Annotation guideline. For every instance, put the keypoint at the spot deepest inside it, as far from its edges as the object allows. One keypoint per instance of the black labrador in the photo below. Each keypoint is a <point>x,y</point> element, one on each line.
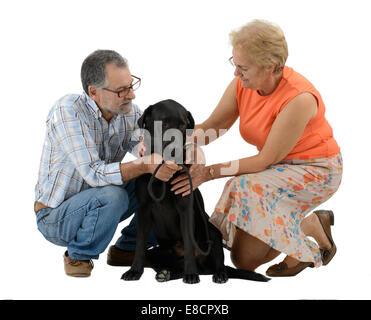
<point>189,244</point>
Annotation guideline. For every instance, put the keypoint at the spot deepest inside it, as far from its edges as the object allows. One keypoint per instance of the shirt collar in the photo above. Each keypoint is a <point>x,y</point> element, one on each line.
<point>92,106</point>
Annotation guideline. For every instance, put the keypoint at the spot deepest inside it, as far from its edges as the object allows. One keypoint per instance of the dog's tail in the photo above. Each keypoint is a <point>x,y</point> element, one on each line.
<point>245,274</point>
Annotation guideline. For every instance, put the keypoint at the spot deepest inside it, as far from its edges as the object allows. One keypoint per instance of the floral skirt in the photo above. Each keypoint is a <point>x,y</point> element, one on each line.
<point>271,204</point>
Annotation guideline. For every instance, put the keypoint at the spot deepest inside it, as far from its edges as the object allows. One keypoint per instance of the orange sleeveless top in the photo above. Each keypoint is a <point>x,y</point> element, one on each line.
<point>257,114</point>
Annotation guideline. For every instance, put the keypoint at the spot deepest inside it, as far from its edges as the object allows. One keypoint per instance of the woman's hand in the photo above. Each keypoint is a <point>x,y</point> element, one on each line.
<point>198,172</point>
<point>181,184</point>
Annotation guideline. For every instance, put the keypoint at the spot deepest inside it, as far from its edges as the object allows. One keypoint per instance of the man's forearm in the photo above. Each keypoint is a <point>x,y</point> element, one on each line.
<point>132,169</point>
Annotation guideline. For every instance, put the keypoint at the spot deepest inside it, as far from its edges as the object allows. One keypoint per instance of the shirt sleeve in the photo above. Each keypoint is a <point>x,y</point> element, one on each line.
<point>73,137</point>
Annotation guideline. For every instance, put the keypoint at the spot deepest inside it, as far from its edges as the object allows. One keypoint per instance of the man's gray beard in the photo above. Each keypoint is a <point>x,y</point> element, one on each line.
<point>119,111</point>
<point>127,108</point>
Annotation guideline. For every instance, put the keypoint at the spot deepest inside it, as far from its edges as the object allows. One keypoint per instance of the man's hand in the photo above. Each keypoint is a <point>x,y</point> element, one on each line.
<point>141,147</point>
<point>167,170</point>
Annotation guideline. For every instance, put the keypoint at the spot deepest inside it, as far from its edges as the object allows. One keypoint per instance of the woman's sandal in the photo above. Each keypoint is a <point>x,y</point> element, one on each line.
<point>326,218</point>
<point>282,270</point>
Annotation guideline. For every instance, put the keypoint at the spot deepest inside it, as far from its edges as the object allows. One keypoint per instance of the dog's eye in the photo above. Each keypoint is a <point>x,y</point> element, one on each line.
<point>165,125</point>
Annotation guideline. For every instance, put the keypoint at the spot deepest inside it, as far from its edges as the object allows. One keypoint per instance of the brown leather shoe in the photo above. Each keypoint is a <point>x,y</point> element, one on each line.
<point>121,258</point>
<point>77,268</point>
<point>281,269</point>
<point>326,218</point>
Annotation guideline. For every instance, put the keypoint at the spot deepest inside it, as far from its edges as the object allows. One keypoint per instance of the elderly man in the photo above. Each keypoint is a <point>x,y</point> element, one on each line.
<point>83,189</point>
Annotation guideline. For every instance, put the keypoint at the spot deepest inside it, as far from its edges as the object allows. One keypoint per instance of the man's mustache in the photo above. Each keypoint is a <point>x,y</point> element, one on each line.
<point>125,102</point>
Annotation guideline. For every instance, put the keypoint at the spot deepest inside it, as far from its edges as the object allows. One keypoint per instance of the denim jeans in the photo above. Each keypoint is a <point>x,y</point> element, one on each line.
<point>86,222</point>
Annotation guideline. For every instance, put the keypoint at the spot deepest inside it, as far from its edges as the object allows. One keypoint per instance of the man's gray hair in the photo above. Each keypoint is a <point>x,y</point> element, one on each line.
<point>93,69</point>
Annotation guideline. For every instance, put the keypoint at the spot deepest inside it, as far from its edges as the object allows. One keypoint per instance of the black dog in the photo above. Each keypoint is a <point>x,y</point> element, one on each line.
<point>188,244</point>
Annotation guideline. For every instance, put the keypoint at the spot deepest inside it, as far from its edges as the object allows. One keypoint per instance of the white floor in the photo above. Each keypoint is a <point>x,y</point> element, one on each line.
<point>36,272</point>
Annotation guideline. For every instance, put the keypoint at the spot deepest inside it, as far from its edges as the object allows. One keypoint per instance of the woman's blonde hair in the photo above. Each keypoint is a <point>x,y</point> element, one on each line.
<point>263,41</point>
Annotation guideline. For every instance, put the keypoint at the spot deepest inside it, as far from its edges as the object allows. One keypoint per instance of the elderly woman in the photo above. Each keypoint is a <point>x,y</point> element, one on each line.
<point>263,209</point>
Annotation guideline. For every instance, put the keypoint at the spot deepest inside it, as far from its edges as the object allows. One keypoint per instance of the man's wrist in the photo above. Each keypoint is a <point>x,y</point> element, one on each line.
<point>133,169</point>
<point>142,165</point>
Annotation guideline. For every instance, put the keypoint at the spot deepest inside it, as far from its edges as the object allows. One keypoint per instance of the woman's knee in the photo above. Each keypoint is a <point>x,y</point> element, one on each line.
<point>237,259</point>
<point>243,260</point>
<point>247,251</point>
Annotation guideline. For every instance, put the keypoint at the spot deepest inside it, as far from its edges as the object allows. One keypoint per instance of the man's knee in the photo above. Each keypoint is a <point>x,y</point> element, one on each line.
<point>114,196</point>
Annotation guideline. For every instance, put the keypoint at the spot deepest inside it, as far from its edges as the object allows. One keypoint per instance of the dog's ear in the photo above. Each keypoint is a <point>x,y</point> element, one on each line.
<point>142,119</point>
<point>191,123</point>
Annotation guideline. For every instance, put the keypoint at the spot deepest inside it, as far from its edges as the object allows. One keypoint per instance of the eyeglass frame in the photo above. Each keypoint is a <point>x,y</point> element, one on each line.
<point>242,70</point>
<point>127,89</point>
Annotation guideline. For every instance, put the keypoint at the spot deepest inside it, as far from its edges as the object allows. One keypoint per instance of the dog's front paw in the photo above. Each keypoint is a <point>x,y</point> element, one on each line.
<point>191,278</point>
<point>163,276</point>
<point>132,275</point>
<point>220,277</point>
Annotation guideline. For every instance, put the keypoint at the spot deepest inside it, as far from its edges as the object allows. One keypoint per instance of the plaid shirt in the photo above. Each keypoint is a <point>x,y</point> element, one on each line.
<point>81,150</point>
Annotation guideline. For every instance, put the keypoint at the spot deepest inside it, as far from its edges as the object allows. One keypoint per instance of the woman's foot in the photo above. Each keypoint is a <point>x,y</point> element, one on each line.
<point>288,267</point>
<point>318,225</point>
<point>311,226</point>
<point>291,262</point>
<point>326,219</point>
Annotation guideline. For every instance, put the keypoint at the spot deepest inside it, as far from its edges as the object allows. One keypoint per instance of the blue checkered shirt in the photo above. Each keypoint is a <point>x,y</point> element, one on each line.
<point>81,150</point>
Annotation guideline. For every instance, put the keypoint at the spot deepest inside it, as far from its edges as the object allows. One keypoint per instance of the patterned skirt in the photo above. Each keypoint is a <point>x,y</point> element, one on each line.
<point>271,204</point>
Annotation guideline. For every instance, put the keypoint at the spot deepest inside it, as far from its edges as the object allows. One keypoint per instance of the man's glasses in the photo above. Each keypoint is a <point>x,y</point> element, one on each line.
<point>135,84</point>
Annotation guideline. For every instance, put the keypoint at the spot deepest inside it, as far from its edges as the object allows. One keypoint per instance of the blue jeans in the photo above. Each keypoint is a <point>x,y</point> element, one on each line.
<point>87,222</point>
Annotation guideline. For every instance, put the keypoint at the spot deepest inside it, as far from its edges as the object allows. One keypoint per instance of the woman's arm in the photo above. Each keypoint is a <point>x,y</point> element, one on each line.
<point>220,120</point>
<point>285,133</point>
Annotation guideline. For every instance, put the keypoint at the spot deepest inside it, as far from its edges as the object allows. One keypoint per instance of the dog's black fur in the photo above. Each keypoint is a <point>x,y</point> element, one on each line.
<point>176,256</point>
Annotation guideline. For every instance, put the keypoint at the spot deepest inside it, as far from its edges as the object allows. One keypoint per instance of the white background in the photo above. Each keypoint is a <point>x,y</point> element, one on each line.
<point>180,50</point>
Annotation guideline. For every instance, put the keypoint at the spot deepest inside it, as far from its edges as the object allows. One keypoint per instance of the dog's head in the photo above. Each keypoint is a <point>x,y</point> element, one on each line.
<point>166,124</point>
